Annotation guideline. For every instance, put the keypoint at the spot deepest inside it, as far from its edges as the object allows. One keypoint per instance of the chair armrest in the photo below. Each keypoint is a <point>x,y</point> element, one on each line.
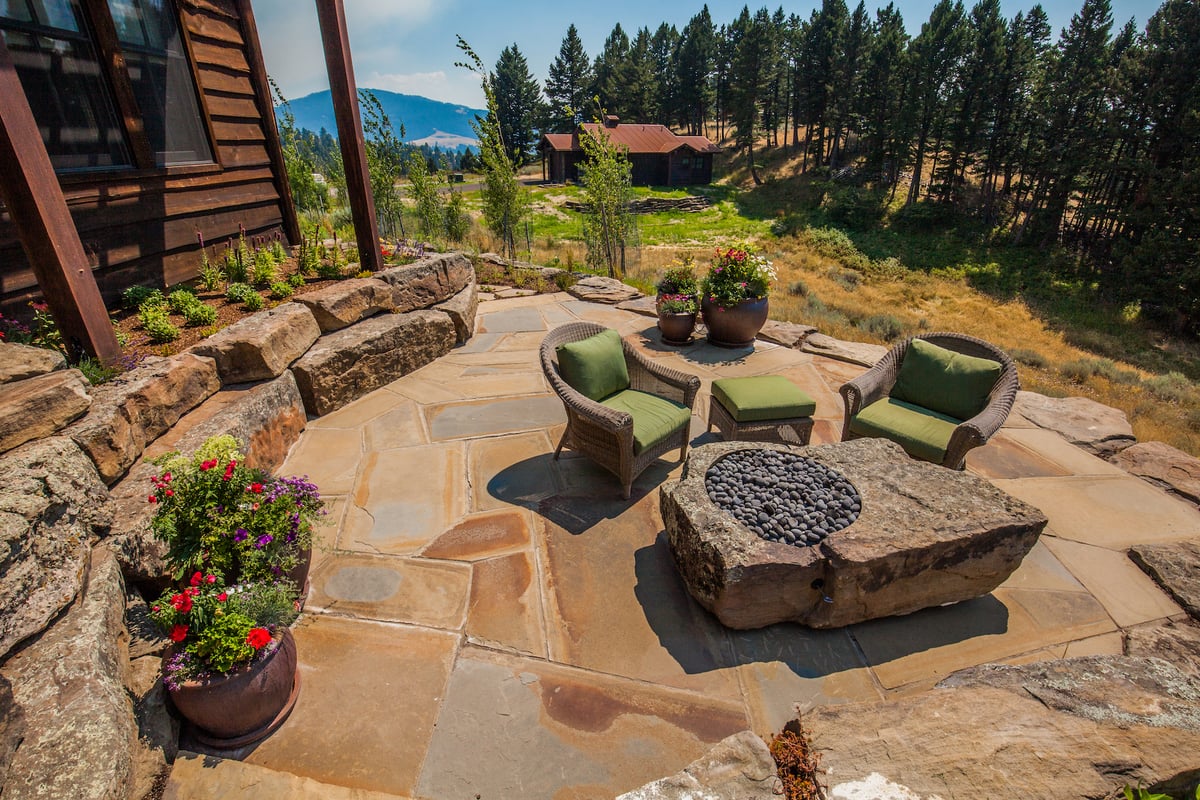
<point>583,406</point>
<point>873,385</point>
<point>978,429</point>
<point>647,375</point>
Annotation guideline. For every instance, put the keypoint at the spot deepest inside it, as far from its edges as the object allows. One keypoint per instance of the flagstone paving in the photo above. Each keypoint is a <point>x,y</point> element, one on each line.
<point>488,622</point>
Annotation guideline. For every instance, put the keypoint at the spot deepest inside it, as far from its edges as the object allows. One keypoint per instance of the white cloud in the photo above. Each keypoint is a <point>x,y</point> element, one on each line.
<point>372,13</point>
<point>437,85</point>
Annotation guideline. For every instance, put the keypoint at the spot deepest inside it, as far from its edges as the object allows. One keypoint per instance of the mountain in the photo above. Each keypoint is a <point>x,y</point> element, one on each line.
<point>425,121</point>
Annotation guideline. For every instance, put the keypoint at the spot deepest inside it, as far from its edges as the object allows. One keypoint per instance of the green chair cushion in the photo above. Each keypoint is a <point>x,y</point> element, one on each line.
<point>922,433</point>
<point>595,366</point>
<point>764,397</point>
<point>654,418</point>
<point>944,381</point>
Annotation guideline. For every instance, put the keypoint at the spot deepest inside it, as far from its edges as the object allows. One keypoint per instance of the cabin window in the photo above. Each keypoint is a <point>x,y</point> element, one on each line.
<point>685,162</point>
<point>55,57</point>
<point>56,54</point>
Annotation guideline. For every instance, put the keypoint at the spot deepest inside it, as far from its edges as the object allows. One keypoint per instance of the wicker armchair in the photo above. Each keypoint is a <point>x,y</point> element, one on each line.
<point>877,382</point>
<point>604,434</point>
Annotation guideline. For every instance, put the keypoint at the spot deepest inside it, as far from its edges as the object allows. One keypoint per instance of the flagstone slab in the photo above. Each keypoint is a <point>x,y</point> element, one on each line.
<point>1163,465</point>
<point>1005,457</point>
<point>604,315</point>
<point>1127,593</point>
<point>204,777</point>
<point>1040,569</point>
<point>359,412</point>
<point>482,536</point>
<point>330,458</point>
<point>1108,644</point>
<point>391,589</point>
<point>521,727</point>
<point>406,498</point>
<point>479,343</point>
<point>1052,446</point>
<point>1113,512</point>
<point>836,372</point>
<point>829,402</point>
<point>401,426</point>
<point>506,605</point>
<point>1176,568</point>
<point>422,390</point>
<point>482,417</point>
<point>928,645</point>
<point>615,603</point>
<point>521,342</point>
<point>512,320</point>
<point>1093,426</point>
<point>511,470</point>
<point>367,706</point>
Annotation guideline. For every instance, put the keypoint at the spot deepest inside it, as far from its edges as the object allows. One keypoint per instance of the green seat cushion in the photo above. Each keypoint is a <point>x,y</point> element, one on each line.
<point>944,381</point>
<point>654,418</point>
<point>922,433</point>
<point>764,397</point>
<point>595,366</point>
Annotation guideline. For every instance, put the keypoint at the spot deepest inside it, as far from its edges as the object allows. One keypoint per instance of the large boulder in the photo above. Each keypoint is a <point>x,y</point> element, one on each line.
<point>136,408</point>
<point>925,536</point>
<point>739,767</point>
<point>40,406</point>
<point>1175,566</point>
<point>267,418</point>
<point>12,728</point>
<point>1164,466</point>
<point>21,361</point>
<point>71,680</point>
<point>53,505</point>
<point>1099,429</point>
<point>429,281</point>
<point>461,309</point>
<point>1093,724</point>
<point>262,345</point>
<point>860,353</point>
<point>599,289</point>
<point>347,302</point>
<point>788,334</point>
<point>345,365</point>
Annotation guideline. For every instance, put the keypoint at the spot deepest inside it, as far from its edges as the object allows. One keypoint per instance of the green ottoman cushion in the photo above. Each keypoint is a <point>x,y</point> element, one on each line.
<point>654,418</point>
<point>922,433</point>
<point>595,366</point>
<point>762,398</point>
<point>944,381</point>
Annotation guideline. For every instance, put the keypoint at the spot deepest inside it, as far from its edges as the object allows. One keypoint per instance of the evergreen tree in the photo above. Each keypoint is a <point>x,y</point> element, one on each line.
<point>881,95</point>
<point>694,73</point>
<point>638,80</point>
<point>610,71</point>
<point>518,104</point>
<point>663,48</point>
<point>568,84</point>
<point>748,75</point>
<point>935,55</point>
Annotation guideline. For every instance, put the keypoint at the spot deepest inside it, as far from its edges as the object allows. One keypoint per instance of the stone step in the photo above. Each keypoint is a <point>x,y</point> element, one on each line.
<point>197,777</point>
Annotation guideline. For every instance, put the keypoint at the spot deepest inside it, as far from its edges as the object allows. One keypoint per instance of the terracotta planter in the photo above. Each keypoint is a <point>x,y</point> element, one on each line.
<point>298,575</point>
<point>735,326</point>
<point>676,328</point>
<point>246,705</point>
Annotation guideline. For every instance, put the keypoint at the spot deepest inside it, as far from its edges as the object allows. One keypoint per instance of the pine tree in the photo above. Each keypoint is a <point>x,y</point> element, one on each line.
<point>518,103</point>
<point>882,95</point>
<point>638,79</point>
<point>610,71</point>
<point>748,73</point>
<point>568,84</point>
<point>663,47</point>
<point>934,54</point>
<point>694,72</point>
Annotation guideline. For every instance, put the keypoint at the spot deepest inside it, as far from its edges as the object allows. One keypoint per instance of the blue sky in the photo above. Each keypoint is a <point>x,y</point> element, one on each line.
<point>408,46</point>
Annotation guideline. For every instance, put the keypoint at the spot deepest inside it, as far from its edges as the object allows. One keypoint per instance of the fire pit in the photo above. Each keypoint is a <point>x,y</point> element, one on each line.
<point>923,535</point>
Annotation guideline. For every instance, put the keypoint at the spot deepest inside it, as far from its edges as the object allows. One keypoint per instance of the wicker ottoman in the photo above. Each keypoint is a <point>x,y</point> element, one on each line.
<point>762,408</point>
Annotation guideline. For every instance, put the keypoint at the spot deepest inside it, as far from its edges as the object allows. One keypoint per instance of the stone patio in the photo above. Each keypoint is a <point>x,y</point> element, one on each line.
<point>488,622</point>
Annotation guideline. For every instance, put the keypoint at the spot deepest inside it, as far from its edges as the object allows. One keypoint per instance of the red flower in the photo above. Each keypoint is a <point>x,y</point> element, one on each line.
<point>255,487</point>
<point>196,578</point>
<point>182,603</point>
<point>169,493</point>
<point>229,470</point>
<point>222,597</point>
<point>152,499</point>
<point>258,637</point>
<point>193,591</point>
<point>207,465</point>
<point>179,633</point>
<point>210,578</point>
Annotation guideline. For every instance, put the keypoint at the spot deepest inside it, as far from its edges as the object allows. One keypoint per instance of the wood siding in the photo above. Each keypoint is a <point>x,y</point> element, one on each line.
<point>141,226</point>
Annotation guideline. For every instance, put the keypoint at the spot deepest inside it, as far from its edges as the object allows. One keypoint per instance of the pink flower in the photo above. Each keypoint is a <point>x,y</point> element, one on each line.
<point>222,597</point>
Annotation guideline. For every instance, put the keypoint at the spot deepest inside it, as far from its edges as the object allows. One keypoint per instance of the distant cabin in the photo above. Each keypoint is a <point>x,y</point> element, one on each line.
<point>659,157</point>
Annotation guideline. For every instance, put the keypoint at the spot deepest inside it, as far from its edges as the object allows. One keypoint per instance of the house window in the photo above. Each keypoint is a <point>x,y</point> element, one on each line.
<point>57,55</point>
<point>685,162</point>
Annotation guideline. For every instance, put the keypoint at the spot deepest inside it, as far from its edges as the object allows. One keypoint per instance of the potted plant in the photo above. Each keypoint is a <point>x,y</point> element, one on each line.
<point>231,669</point>
<point>221,517</point>
<point>734,293</point>
<point>677,304</point>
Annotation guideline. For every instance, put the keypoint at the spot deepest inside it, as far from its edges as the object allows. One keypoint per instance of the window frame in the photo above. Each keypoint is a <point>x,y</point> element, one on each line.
<point>111,56</point>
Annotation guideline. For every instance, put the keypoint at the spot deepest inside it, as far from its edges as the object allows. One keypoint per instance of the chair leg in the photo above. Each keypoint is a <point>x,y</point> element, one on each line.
<point>561,442</point>
<point>626,490</point>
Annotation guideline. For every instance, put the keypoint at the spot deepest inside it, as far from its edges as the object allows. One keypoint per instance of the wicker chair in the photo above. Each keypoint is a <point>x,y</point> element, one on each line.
<point>605,434</point>
<point>877,382</point>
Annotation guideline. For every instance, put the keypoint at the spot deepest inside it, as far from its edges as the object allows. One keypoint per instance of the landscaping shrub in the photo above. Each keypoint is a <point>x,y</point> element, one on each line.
<point>885,326</point>
<point>1174,387</point>
<point>281,290</point>
<point>157,324</point>
<point>199,314</point>
<point>295,280</point>
<point>264,268</point>
<point>238,292</point>
<point>180,300</point>
<point>254,301</point>
<point>136,296</point>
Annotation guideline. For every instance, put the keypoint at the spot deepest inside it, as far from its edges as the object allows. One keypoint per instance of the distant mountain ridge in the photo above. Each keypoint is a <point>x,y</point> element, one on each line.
<point>425,121</point>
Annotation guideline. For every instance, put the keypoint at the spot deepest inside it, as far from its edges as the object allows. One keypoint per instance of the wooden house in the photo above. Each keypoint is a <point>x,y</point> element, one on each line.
<point>658,156</point>
<point>158,121</point>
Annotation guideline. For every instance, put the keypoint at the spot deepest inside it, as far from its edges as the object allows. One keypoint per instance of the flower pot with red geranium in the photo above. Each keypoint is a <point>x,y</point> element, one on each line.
<point>231,669</point>
<point>734,296</point>
<point>676,303</point>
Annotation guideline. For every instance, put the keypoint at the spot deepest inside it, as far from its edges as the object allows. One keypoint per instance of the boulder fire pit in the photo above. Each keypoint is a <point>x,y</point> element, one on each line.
<point>923,536</point>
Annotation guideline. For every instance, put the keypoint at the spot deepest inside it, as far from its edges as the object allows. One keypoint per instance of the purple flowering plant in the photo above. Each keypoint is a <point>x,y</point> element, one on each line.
<point>219,516</point>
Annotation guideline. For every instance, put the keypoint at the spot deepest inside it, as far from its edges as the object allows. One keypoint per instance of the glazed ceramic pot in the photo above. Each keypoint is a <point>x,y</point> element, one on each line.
<point>676,328</point>
<point>737,325</point>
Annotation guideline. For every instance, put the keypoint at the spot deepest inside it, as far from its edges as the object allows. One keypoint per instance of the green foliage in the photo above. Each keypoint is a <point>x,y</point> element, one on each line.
<point>607,178</point>
<point>679,279</point>
<point>199,314</point>
<point>253,301</point>
<point>798,289</point>
<point>677,304</point>
<point>181,299</point>
<point>136,296</point>
<point>518,106</point>
<point>238,292</point>
<point>45,331</point>
<point>385,163</point>
<point>277,251</point>
<point>281,290</point>
<point>885,326</point>
<point>329,269</point>
<point>568,83</point>
<point>264,268</point>
<point>1030,358</point>
<point>506,204</point>
<point>222,644</point>
<point>211,276</point>
<point>295,280</point>
<point>1174,387</point>
<point>565,280</point>
<point>424,189</point>
<point>737,274</point>
<point>834,243</point>
<point>97,372</point>
<point>306,192</point>
<point>457,222</point>
<point>157,324</point>
<point>237,268</point>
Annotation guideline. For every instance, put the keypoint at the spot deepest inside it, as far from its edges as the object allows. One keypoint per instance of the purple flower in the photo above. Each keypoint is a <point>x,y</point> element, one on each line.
<point>241,535</point>
<point>263,541</point>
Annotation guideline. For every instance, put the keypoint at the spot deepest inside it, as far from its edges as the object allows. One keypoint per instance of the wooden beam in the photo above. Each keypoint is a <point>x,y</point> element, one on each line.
<point>35,202</point>
<point>262,94</point>
<point>332,16</point>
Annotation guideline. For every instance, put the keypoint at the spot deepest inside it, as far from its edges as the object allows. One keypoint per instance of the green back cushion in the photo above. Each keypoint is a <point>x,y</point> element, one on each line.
<point>595,366</point>
<point>762,397</point>
<point>944,381</point>
<point>654,418</point>
<point>922,433</point>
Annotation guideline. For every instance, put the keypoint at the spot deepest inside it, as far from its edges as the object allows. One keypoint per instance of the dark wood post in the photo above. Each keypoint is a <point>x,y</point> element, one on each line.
<point>332,16</point>
<point>35,202</point>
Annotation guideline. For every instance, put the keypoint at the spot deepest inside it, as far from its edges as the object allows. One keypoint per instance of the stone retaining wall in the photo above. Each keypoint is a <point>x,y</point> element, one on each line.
<point>75,524</point>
